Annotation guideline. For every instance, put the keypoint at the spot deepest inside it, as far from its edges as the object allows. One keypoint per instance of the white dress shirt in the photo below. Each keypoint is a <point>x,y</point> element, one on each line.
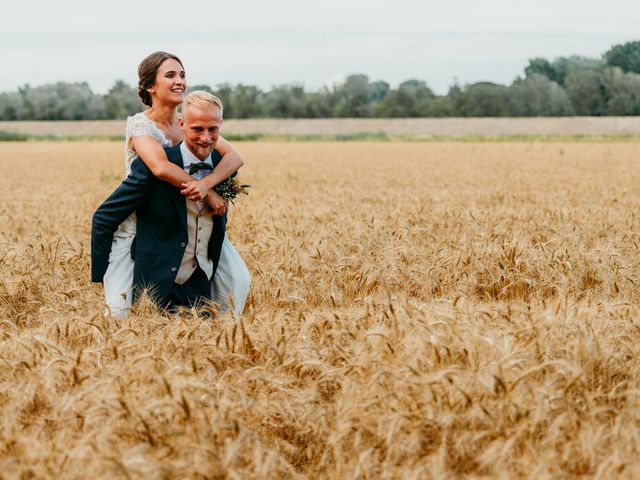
<point>199,226</point>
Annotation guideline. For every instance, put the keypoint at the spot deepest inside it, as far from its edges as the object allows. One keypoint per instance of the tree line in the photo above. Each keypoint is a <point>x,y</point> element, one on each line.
<point>573,85</point>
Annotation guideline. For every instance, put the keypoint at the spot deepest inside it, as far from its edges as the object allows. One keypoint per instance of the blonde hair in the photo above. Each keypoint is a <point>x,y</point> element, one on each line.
<point>201,99</point>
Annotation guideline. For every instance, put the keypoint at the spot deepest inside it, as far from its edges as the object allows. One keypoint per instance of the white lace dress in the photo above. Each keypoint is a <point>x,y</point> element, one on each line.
<point>231,281</point>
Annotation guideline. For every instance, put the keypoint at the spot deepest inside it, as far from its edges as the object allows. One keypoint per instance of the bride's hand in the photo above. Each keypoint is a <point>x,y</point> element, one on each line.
<point>195,190</point>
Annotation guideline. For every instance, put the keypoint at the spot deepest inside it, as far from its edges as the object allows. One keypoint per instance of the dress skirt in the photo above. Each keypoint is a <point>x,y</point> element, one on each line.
<point>230,284</point>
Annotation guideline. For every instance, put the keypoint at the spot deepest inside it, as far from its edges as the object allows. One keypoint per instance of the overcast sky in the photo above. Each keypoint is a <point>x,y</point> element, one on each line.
<point>312,43</point>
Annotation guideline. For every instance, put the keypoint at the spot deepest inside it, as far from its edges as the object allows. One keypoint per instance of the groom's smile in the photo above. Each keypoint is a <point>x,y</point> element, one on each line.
<point>201,129</point>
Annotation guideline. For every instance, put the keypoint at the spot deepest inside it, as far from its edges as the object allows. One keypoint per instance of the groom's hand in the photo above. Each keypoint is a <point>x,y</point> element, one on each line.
<point>217,203</point>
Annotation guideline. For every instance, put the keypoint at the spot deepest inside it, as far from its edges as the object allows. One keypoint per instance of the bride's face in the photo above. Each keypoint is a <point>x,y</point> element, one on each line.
<point>171,83</point>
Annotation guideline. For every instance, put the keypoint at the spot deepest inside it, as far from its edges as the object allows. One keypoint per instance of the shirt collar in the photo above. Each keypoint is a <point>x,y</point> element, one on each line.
<point>188,158</point>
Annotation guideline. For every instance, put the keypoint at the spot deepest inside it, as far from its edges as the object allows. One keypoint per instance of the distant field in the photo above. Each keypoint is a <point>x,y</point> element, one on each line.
<point>565,126</point>
<point>418,311</point>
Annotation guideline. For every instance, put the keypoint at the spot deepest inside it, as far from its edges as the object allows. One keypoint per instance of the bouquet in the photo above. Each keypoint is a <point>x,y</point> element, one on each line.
<point>230,188</point>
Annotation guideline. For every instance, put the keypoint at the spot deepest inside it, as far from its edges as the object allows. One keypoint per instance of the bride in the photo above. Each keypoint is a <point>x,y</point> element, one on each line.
<point>162,87</point>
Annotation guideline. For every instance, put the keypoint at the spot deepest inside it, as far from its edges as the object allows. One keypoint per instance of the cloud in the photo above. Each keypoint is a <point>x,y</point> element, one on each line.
<point>277,42</point>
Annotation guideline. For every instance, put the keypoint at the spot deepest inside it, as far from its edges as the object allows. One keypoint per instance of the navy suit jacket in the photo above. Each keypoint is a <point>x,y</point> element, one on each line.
<point>161,235</point>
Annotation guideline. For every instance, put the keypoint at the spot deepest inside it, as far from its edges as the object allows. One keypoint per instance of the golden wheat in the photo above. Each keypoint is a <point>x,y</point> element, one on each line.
<point>417,311</point>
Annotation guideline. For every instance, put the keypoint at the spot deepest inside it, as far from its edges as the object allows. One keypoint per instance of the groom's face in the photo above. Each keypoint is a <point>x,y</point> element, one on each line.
<point>201,128</point>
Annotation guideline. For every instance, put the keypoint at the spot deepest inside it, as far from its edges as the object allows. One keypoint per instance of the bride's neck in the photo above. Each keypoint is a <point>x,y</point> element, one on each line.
<point>163,114</point>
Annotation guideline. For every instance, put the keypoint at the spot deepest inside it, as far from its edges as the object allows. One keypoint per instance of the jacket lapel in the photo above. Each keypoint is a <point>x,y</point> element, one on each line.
<point>174,156</point>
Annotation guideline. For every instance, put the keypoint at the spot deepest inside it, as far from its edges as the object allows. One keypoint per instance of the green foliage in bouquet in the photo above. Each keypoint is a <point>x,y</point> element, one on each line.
<point>230,188</point>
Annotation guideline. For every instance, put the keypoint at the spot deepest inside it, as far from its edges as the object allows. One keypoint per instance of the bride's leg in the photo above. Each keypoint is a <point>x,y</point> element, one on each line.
<point>118,279</point>
<point>232,279</point>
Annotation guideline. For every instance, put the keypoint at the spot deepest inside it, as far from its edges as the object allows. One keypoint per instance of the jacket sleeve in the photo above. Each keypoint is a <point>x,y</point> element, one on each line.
<point>131,193</point>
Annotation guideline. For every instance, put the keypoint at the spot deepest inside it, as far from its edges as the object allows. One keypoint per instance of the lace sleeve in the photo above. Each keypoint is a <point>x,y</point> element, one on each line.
<point>137,126</point>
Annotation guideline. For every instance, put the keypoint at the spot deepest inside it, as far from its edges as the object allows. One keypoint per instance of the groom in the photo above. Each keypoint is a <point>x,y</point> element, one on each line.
<point>178,243</point>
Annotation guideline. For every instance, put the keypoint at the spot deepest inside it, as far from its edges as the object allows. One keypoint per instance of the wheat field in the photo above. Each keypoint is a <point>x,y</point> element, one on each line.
<point>417,311</point>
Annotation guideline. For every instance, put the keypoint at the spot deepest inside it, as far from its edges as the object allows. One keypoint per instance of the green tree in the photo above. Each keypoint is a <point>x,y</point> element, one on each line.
<point>75,101</point>
<point>377,91</point>
<point>558,70</point>
<point>586,92</point>
<point>621,91</point>
<point>285,101</point>
<point>97,109</point>
<point>410,99</point>
<point>356,97</point>
<point>483,99</point>
<point>12,106</point>
<point>122,101</point>
<point>320,104</point>
<point>541,66</point>
<point>352,97</point>
<point>224,92</point>
<point>240,101</point>
<point>536,96</point>
<point>246,101</point>
<point>626,56</point>
<point>436,107</point>
<point>563,66</point>
<point>60,101</point>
